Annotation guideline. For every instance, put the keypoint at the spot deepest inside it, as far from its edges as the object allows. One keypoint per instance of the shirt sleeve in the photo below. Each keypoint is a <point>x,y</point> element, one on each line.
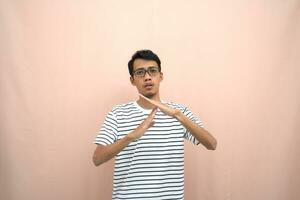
<point>187,134</point>
<point>108,131</point>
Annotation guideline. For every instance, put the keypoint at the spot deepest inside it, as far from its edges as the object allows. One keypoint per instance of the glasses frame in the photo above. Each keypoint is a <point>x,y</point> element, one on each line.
<point>146,71</point>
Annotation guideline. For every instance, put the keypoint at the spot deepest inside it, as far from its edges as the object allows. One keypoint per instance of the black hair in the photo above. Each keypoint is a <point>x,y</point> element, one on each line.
<point>143,54</point>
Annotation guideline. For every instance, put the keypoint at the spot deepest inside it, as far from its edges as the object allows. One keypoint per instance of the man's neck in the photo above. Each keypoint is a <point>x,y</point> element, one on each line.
<point>145,104</point>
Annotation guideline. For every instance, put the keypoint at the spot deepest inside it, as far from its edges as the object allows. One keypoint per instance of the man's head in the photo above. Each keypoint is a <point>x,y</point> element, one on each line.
<point>145,72</point>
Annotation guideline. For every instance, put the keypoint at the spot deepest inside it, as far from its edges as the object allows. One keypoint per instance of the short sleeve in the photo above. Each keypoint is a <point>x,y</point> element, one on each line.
<point>187,134</point>
<point>108,131</point>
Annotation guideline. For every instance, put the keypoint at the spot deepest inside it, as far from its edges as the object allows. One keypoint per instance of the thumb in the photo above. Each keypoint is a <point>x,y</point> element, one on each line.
<point>151,123</point>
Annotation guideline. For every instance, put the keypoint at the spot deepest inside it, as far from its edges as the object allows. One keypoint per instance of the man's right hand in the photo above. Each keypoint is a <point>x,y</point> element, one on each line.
<point>144,126</point>
<point>104,153</point>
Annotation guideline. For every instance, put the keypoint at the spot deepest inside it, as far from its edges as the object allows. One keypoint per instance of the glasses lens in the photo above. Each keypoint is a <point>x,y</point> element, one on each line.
<point>140,72</point>
<point>153,70</point>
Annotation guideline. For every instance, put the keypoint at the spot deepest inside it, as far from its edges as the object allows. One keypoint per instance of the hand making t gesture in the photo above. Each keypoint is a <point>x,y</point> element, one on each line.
<point>163,107</point>
<point>200,133</point>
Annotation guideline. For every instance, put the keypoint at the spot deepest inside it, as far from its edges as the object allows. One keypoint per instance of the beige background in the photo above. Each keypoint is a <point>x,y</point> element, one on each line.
<point>234,63</point>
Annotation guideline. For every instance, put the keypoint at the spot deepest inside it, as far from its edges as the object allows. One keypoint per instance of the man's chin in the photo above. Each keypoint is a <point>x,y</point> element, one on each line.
<point>149,95</point>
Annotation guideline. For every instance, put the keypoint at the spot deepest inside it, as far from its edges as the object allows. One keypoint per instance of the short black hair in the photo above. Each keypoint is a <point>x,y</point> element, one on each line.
<point>143,54</point>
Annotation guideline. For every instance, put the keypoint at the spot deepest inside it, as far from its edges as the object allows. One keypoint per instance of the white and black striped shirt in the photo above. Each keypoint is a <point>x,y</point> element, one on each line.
<point>151,167</point>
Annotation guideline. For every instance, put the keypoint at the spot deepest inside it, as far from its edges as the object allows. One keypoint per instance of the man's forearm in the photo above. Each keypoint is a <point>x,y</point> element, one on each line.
<point>105,153</point>
<point>202,135</point>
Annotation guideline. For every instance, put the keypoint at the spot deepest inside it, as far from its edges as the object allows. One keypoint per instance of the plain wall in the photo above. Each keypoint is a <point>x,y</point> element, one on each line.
<point>235,64</point>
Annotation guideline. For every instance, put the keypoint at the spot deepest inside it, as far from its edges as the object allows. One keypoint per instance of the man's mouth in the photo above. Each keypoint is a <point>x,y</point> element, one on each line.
<point>148,85</point>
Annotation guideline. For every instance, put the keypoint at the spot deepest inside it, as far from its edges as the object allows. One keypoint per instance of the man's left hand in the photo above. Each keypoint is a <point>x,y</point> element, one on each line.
<point>163,107</point>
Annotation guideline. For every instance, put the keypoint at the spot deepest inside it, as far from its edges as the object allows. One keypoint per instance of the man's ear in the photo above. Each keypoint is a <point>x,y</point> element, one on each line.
<point>161,76</point>
<point>132,81</point>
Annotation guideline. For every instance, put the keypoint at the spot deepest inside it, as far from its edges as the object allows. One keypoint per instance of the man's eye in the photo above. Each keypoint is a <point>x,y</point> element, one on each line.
<point>139,72</point>
<point>154,70</point>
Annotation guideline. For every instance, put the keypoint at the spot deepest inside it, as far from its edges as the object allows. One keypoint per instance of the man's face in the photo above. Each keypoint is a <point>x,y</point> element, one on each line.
<point>147,85</point>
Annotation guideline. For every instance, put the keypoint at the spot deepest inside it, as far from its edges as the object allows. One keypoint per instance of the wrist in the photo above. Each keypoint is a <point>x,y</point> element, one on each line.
<point>129,138</point>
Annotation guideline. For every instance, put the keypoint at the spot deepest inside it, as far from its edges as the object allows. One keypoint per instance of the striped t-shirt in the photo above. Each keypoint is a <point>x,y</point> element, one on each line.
<point>151,167</point>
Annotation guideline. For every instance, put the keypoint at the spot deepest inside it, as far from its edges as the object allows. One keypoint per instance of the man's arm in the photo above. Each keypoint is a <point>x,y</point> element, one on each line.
<point>198,132</point>
<point>202,135</point>
<point>104,153</point>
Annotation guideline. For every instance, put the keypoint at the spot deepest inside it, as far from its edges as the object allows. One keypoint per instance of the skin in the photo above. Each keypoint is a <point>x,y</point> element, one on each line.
<point>140,83</point>
<point>149,99</point>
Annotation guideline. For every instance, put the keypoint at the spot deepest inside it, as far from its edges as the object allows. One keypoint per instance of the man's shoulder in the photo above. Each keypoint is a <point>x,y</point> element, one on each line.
<point>123,106</point>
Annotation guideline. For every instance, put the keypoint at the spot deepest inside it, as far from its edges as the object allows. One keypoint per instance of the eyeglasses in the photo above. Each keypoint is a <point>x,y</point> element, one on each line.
<point>152,71</point>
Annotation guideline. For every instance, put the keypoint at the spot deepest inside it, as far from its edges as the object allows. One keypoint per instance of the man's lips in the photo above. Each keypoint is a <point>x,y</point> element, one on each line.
<point>148,85</point>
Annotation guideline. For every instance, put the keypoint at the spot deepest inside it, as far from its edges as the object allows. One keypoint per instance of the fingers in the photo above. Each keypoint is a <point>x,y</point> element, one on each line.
<point>151,117</point>
<point>150,100</point>
<point>152,114</point>
<point>147,99</point>
<point>143,97</point>
<point>164,108</point>
<point>149,121</point>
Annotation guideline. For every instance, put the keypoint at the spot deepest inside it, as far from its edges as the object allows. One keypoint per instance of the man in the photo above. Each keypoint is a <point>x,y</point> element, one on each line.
<point>147,137</point>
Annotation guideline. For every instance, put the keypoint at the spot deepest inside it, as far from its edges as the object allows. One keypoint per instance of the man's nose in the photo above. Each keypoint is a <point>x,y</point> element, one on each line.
<point>147,76</point>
